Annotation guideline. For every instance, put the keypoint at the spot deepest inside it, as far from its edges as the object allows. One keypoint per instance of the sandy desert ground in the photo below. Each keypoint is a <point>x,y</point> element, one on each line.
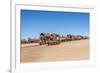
<point>67,51</point>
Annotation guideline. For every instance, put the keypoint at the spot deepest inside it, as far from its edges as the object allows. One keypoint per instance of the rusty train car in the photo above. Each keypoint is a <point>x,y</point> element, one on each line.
<point>54,39</point>
<point>49,39</point>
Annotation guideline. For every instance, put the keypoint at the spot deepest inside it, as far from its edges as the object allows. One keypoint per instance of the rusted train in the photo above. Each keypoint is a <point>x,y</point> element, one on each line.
<point>53,39</point>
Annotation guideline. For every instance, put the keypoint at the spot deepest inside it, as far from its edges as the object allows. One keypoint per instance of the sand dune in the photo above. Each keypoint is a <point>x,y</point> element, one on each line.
<point>67,51</point>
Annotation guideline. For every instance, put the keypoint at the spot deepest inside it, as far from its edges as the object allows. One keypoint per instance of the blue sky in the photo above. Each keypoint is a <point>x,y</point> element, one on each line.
<point>34,22</point>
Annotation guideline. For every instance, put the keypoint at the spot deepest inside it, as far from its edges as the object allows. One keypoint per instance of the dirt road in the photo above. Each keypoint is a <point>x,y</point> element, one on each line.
<point>67,51</point>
